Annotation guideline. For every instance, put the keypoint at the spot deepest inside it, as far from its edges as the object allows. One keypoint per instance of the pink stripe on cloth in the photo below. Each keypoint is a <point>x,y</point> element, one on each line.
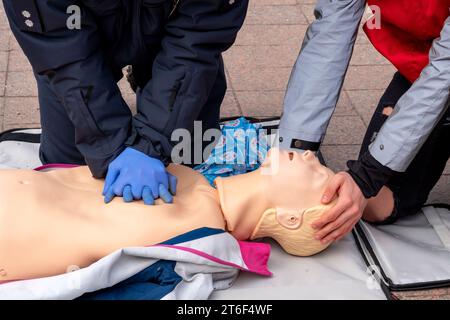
<point>255,256</point>
<point>56,166</point>
<point>256,265</point>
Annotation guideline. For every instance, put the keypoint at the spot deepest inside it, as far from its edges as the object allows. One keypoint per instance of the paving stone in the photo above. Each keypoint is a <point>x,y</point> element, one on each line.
<point>368,77</point>
<point>2,83</point>
<point>270,103</point>
<point>361,37</point>
<point>230,106</point>
<point>21,125</point>
<point>130,99</point>
<point>3,20</point>
<point>271,35</point>
<point>344,106</point>
<point>272,2</point>
<point>431,294</point>
<point>336,157</point>
<point>344,130</point>
<point>366,54</point>
<point>21,110</point>
<point>2,102</point>
<point>2,107</point>
<point>3,61</point>
<point>18,61</point>
<point>21,84</point>
<point>261,103</point>
<point>441,192</point>
<point>308,11</point>
<point>13,44</point>
<point>4,40</point>
<point>306,1</point>
<point>125,87</point>
<point>261,56</point>
<point>262,78</point>
<point>365,102</point>
<point>282,14</point>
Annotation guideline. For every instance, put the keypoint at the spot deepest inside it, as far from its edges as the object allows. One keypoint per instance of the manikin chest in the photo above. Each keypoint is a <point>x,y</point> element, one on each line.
<point>61,214</point>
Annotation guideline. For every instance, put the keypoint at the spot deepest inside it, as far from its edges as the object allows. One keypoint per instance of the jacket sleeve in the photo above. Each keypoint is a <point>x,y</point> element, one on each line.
<point>78,74</point>
<point>184,71</point>
<point>418,110</point>
<point>319,72</point>
<point>416,114</point>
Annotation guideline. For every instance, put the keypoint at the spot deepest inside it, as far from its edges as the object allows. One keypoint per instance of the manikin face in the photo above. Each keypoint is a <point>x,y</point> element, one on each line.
<point>294,181</point>
<point>293,184</point>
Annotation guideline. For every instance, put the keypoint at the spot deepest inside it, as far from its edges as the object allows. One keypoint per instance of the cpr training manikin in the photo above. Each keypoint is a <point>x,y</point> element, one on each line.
<point>63,215</point>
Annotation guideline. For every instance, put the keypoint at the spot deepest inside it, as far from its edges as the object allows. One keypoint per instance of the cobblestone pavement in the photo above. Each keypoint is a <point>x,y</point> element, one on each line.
<point>258,68</point>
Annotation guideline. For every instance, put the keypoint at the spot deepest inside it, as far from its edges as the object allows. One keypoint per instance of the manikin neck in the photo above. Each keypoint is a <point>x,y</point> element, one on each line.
<point>243,202</point>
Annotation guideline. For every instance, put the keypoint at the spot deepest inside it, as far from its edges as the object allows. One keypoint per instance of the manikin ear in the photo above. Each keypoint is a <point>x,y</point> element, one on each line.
<point>289,219</point>
<point>298,241</point>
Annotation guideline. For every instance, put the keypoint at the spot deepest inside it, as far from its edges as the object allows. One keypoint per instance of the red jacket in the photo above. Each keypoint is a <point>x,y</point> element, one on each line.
<point>408,28</point>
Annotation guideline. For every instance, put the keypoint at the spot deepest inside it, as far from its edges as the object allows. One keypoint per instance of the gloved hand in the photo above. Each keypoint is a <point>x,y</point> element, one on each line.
<point>134,175</point>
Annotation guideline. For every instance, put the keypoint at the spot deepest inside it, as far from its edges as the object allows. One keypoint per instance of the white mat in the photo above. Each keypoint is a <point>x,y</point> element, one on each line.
<point>337,273</point>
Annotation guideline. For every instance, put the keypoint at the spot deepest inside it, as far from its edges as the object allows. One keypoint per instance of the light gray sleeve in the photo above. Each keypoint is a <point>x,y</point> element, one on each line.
<point>319,72</point>
<point>418,111</point>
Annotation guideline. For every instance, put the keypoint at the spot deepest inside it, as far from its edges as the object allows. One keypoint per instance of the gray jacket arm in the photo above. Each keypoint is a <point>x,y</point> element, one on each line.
<point>319,72</point>
<point>418,111</point>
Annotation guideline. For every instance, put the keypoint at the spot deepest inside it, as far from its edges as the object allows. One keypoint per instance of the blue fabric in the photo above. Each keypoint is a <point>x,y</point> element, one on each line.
<point>242,148</point>
<point>193,235</point>
<point>151,284</point>
<point>154,282</point>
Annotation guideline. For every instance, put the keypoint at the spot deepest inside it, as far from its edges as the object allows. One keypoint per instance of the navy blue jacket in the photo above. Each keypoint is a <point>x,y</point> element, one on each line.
<point>183,40</point>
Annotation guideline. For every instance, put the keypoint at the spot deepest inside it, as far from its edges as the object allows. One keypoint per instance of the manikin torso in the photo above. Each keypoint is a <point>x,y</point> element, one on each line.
<point>38,208</point>
<point>50,221</point>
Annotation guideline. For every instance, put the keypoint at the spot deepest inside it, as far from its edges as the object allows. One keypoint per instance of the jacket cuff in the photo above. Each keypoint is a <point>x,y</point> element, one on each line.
<point>369,174</point>
<point>99,166</point>
<point>298,141</point>
<point>141,144</point>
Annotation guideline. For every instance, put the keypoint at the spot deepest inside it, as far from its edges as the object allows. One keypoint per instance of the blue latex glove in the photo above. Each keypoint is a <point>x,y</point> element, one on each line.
<point>134,175</point>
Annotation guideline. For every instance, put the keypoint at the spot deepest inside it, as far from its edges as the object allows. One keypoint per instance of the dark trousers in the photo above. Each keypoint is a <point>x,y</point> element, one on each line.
<point>412,187</point>
<point>58,133</point>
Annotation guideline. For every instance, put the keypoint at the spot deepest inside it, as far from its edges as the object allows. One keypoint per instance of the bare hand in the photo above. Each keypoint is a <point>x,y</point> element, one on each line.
<point>347,211</point>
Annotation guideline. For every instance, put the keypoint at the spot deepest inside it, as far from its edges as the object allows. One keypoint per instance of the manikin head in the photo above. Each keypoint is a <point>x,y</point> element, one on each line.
<point>285,199</point>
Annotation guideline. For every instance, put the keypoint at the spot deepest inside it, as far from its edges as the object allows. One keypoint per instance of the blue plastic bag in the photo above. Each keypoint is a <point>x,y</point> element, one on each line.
<point>241,148</point>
